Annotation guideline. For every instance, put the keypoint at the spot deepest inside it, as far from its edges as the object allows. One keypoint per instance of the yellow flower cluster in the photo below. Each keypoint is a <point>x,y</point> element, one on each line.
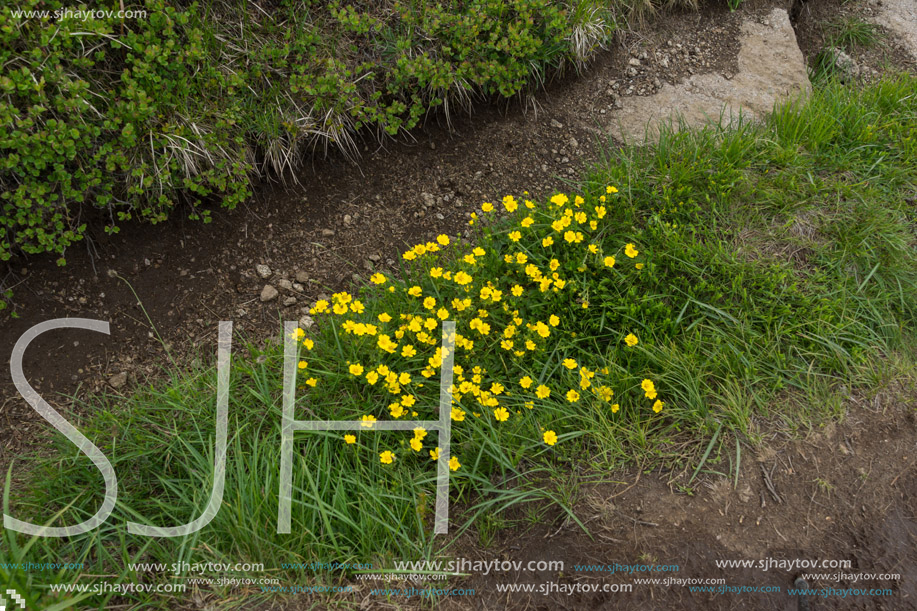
<point>495,297</point>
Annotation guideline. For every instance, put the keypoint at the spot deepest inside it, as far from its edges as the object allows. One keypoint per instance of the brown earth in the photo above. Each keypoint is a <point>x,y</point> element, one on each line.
<point>846,492</point>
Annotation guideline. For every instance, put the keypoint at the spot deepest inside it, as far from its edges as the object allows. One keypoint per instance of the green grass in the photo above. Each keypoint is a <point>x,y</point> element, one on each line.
<point>851,32</point>
<point>778,275</point>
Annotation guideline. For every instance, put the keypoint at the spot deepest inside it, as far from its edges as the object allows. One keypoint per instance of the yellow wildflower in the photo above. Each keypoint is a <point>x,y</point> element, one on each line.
<point>320,306</point>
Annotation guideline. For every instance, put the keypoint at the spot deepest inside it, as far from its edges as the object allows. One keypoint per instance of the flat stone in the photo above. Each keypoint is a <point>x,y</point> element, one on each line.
<point>844,62</point>
<point>771,68</point>
<point>263,271</point>
<point>118,380</point>
<point>268,293</point>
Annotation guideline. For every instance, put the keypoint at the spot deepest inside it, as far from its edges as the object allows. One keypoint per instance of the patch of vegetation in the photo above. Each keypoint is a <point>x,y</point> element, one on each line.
<point>844,34</point>
<point>691,289</point>
<point>184,103</point>
<point>852,32</point>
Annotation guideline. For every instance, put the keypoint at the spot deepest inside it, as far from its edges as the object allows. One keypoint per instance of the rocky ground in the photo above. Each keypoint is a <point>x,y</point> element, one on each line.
<point>164,288</point>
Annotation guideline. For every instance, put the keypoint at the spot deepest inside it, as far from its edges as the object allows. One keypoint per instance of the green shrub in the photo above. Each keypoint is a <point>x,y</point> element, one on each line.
<point>188,104</point>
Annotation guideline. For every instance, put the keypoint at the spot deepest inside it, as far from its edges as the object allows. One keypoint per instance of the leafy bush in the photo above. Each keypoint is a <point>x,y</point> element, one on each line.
<point>189,103</point>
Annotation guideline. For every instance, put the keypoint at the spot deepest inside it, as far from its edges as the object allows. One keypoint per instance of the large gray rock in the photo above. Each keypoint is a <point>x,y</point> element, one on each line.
<point>771,68</point>
<point>900,18</point>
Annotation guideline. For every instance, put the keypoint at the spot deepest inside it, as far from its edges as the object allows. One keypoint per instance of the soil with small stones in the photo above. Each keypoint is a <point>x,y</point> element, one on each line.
<point>847,492</point>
